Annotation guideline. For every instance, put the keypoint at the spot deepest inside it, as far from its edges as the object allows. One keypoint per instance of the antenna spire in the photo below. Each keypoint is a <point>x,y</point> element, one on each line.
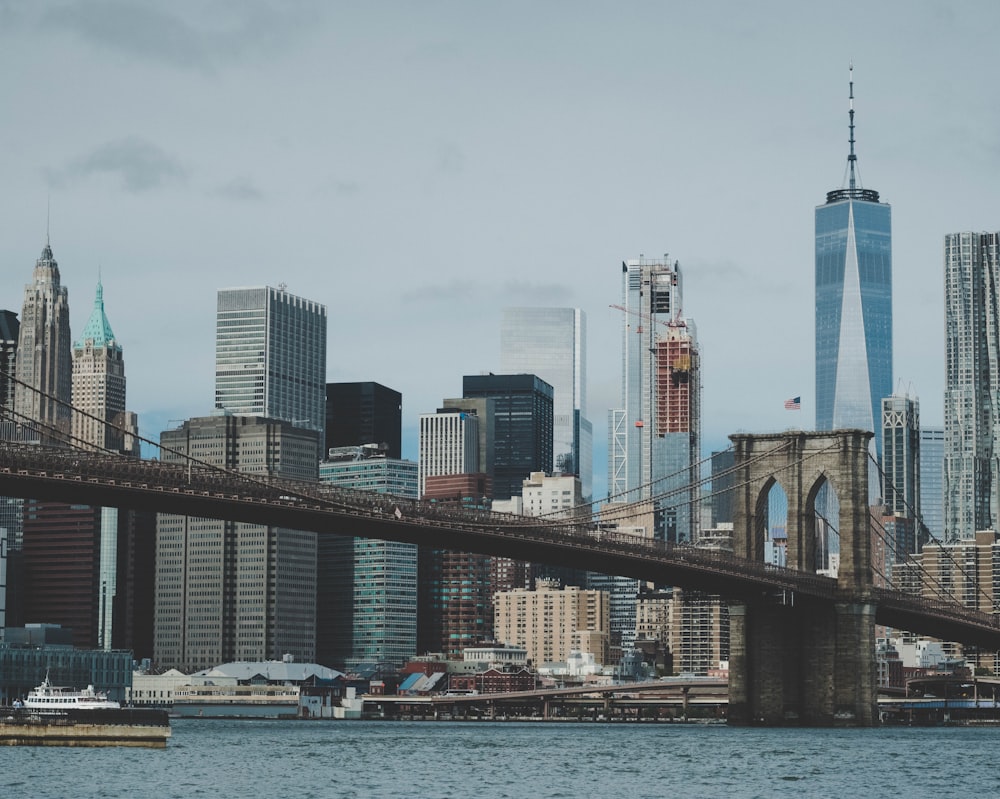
<point>852,175</point>
<point>851,158</point>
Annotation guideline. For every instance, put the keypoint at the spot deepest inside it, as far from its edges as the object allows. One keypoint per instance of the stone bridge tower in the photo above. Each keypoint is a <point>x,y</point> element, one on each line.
<point>798,660</point>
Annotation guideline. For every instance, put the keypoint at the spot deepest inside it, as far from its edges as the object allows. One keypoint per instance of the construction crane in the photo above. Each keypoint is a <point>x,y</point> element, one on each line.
<point>675,322</point>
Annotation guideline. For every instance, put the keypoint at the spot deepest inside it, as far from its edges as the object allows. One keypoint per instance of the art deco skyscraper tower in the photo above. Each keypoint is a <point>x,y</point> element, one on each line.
<point>853,304</point>
<point>99,417</point>
<point>44,360</point>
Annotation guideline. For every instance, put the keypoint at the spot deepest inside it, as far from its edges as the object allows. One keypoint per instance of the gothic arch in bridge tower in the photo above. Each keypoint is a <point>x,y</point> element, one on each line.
<point>795,660</point>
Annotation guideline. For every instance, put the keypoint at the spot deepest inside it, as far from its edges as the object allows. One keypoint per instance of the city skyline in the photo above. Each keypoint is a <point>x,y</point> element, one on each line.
<point>531,159</point>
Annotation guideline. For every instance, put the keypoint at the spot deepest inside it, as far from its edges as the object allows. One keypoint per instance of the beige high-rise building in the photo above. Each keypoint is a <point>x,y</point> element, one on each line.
<point>228,591</point>
<point>550,621</point>
<point>99,420</point>
<point>44,367</point>
<point>559,495</point>
<point>964,569</point>
<point>99,417</point>
<point>699,631</point>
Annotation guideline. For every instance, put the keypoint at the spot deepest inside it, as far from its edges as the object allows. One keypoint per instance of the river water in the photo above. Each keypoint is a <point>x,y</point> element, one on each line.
<point>482,760</point>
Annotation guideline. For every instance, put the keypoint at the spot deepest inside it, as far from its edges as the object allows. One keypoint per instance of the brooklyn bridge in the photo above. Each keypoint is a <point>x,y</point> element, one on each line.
<point>802,644</point>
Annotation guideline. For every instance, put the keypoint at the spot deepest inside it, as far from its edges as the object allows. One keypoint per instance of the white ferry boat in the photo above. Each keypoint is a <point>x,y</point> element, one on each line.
<point>48,698</point>
<point>57,716</point>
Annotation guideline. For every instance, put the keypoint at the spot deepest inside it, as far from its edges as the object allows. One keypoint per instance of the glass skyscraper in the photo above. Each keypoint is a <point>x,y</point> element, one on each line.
<point>522,427</point>
<point>901,455</point>
<point>900,478</point>
<point>364,413</point>
<point>655,437</point>
<point>270,356</point>
<point>552,343</point>
<point>932,481</point>
<point>853,305</point>
<point>367,588</point>
<point>972,377</point>
<point>9,327</point>
<point>11,508</point>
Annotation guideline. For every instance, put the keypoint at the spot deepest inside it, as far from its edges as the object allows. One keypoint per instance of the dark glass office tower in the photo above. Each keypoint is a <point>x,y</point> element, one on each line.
<point>9,327</point>
<point>853,304</point>
<point>523,422</point>
<point>364,413</point>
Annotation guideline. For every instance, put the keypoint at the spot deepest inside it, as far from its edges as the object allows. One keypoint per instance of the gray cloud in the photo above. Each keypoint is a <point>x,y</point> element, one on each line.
<point>145,31</point>
<point>340,187</point>
<point>713,274</point>
<point>241,189</point>
<point>449,159</point>
<point>140,164</point>
<point>475,295</point>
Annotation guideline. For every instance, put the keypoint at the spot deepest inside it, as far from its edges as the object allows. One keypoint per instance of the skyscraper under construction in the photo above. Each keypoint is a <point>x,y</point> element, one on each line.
<point>655,436</point>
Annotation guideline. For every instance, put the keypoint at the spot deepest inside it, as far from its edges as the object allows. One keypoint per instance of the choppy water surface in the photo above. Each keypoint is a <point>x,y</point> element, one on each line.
<point>207,758</point>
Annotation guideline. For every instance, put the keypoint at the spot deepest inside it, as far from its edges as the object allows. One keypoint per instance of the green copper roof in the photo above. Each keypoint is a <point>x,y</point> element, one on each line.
<point>98,329</point>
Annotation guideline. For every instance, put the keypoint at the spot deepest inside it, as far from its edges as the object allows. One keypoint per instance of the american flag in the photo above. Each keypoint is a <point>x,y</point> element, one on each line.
<point>793,404</point>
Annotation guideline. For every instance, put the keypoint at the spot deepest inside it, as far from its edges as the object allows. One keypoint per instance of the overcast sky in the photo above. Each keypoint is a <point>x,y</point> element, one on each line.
<point>419,166</point>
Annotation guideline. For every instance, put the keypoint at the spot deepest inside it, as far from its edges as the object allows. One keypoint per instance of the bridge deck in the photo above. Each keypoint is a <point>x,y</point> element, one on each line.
<point>116,481</point>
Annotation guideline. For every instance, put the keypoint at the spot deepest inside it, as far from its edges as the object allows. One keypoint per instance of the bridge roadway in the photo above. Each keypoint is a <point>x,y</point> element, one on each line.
<point>99,479</point>
<point>669,692</point>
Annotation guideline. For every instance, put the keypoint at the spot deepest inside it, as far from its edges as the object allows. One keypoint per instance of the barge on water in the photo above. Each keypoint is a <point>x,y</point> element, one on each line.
<point>85,727</point>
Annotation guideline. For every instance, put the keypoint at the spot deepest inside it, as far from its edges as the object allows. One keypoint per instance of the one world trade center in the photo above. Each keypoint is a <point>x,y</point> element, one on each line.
<point>853,304</point>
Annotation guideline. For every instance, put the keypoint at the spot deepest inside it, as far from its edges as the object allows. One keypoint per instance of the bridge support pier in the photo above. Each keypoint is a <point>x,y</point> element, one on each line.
<point>808,665</point>
<point>794,659</point>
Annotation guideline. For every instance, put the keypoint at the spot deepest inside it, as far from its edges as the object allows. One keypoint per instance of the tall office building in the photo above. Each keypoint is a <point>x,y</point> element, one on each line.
<point>364,413</point>
<point>270,356</point>
<point>900,489</point>
<point>483,409</point>
<point>972,374</point>
<point>228,591</point>
<point>901,455</point>
<point>9,327</point>
<point>62,551</point>
<point>44,368</point>
<point>554,496</point>
<point>853,304</point>
<point>100,421</point>
<point>932,483</point>
<point>635,520</point>
<point>654,438</point>
<point>723,480</point>
<point>3,576</point>
<point>60,543</point>
<point>522,426</point>
<point>454,609</point>
<point>552,343</point>
<point>367,589</point>
<point>11,508</point>
<point>99,417</point>
<point>449,444</point>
